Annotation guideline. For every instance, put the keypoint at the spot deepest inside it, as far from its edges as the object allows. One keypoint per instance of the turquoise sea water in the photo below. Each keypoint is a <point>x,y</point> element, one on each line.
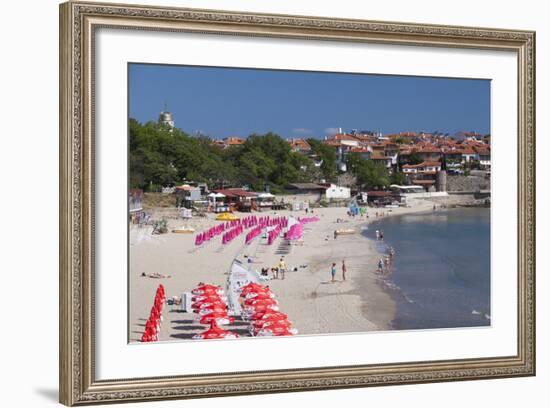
<point>441,273</point>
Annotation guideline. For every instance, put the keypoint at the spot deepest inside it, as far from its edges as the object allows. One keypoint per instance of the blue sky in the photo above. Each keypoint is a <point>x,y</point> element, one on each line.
<point>223,102</point>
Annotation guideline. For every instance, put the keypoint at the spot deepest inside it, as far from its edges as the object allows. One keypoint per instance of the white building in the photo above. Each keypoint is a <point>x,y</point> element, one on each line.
<point>335,191</point>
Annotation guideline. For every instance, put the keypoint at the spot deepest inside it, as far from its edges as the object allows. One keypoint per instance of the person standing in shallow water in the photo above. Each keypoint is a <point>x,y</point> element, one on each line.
<point>333,272</point>
<point>343,269</point>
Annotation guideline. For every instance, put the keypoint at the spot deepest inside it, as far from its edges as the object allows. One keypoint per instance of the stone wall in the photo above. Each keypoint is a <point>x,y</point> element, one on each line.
<point>467,183</point>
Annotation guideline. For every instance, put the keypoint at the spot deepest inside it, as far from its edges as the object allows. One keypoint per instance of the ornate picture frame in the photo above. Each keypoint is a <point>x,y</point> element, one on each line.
<point>78,24</point>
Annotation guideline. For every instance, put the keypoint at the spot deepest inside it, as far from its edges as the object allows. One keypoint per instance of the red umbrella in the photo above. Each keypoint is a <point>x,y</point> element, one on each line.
<point>277,330</point>
<point>215,332</point>
<point>207,289</point>
<point>219,318</point>
<point>260,302</point>
<point>259,295</point>
<point>261,324</point>
<point>254,288</point>
<point>214,309</point>
<point>261,308</point>
<point>209,297</point>
<point>208,303</point>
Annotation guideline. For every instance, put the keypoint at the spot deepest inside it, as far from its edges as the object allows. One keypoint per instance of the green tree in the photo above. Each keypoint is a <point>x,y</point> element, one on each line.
<point>160,156</point>
<point>398,178</point>
<point>368,173</point>
<point>327,155</point>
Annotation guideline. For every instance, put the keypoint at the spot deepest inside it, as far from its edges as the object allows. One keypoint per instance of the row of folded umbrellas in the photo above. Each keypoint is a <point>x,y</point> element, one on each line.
<point>259,308</point>
<point>152,327</point>
<point>233,229</point>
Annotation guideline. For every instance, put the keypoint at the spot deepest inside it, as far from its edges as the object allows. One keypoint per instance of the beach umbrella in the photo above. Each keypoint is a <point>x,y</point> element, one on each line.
<point>273,315</point>
<point>262,324</point>
<point>215,332</point>
<point>261,308</point>
<point>260,295</point>
<point>209,297</point>
<point>206,286</point>
<point>207,305</point>
<point>277,330</point>
<point>261,301</point>
<point>254,288</point>
<point>212,309</point>
<point>218,318</point>
<point>207,289</point>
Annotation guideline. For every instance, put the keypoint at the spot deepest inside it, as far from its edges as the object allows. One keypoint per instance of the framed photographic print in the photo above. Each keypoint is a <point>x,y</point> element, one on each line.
<point>256,203</point>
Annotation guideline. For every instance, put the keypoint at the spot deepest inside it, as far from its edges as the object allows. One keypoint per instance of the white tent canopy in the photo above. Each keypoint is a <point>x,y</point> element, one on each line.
<point>265,195</point>
<point>216,195</point>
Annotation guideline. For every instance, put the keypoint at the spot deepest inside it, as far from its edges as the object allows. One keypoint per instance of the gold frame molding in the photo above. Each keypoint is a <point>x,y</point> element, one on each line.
<point>78,22</point>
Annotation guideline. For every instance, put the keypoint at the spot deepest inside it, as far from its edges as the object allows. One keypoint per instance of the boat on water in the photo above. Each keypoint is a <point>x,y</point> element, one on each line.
<point>183,230</point>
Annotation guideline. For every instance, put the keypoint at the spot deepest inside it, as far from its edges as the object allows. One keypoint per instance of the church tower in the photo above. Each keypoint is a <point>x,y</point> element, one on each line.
<point>166,119</point>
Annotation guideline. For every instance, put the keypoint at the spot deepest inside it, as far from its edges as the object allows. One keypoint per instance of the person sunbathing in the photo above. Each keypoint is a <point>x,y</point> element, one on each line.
<point>155,275</point>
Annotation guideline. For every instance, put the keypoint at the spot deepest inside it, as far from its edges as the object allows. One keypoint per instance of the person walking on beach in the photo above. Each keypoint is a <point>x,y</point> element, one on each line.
<point>333,272</point>
<point>380,266</point>
<point>282,268</point>
<point>387,264</point>
<point>377,234</point>
<point>343,269</point>
<point>381,235</point>
<point>335,234</point>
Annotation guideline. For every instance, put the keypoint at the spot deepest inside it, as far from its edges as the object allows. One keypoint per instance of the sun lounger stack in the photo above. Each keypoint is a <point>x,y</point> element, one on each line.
<point>261,309</point>
<point>211,308</point>
<point>152,327</point>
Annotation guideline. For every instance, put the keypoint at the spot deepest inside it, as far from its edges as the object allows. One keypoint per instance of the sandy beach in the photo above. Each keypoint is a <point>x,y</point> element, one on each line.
<point>313,303</point>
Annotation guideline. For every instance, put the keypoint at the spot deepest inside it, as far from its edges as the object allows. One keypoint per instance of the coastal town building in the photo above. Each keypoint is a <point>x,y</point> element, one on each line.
<point>423,174</point>
<point>228,142</point>
<point>186,195</point>
<point>240,199</point>
<point>337,192</point>
<point>300,145</point>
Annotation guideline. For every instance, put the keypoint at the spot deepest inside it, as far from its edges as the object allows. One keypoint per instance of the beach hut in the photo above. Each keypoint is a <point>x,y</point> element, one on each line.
<point>216,202</point>
<point>240,198</point>
<point>186,195</point>
<point>265,201</point>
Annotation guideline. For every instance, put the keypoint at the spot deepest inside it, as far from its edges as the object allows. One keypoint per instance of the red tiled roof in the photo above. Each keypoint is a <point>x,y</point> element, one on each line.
<point>300,144</point>
<point>233,140</point>
<point>342,136</point>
